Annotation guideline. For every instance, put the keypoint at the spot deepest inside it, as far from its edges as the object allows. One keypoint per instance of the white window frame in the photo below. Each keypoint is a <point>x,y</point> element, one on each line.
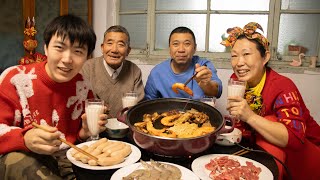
<point>151,56</point>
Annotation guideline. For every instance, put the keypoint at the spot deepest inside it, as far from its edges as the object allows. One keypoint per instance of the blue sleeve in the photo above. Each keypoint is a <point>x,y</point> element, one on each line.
<point>150,89</point>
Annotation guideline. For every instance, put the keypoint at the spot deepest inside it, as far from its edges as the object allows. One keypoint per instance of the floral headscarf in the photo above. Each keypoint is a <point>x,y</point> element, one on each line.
<point>249,31</point>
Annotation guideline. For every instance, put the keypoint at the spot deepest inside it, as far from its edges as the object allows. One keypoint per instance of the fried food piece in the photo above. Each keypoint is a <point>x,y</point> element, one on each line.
<point>182,87</point>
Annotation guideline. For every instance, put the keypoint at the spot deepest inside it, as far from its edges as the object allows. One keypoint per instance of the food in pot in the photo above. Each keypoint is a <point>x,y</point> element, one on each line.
<point>226,168</point>
<point>176,124</point>
<point>155,170</point>
<point>108,152</point>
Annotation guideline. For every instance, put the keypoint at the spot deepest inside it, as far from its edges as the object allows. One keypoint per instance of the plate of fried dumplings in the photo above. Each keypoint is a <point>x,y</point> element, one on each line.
<point>111,154</point>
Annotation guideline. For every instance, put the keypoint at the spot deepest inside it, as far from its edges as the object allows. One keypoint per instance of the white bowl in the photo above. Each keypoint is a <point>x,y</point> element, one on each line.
<point>116,129</point>
<point>229,139</point>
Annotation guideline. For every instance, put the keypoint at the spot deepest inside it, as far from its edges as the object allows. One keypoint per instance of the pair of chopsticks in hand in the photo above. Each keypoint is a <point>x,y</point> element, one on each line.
<point>67,142</point>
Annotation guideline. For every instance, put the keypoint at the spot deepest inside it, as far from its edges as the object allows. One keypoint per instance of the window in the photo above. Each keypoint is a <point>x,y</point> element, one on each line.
<point>286,23</point>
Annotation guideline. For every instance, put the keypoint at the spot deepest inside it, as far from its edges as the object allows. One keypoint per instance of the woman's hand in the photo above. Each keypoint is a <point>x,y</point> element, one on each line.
<point>42,142</point>
<point>239,108</point>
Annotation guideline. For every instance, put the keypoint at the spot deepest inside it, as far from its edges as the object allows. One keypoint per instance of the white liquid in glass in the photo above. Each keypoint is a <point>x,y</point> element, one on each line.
<point>93,112</point>
<point>236,90</point>
<point>129,101</point>
<point>211,103</point>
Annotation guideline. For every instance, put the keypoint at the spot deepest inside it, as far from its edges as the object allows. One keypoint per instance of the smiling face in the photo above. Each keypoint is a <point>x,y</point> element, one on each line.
<point>115,48</point>
<point>64,60</point>
<point>182,48</point>
<point>247,62</point>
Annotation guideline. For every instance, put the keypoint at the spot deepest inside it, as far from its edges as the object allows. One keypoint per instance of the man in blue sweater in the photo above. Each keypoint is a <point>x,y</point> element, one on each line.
<point>180,67</point>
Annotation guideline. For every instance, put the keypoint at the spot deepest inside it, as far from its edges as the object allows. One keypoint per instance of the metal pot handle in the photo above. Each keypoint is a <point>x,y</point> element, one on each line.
<point>121,115</point>
<point>232,122</point>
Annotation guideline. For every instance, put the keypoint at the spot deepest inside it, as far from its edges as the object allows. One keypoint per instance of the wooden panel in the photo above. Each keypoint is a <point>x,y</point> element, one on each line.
<point>63,7</point>
<point>90,12</point>
<point>28,9</point>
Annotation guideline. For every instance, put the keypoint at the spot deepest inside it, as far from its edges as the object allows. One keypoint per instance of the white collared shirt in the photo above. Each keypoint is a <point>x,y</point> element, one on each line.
<point>112,72</point>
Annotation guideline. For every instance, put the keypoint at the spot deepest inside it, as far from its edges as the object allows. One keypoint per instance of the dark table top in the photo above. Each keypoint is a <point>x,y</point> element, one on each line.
<point>263,158</point>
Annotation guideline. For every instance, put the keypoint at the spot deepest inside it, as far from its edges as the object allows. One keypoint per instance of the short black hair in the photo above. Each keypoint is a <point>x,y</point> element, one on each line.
<point>118,28</point>
<point>73,27</point>
<point>183,29</point>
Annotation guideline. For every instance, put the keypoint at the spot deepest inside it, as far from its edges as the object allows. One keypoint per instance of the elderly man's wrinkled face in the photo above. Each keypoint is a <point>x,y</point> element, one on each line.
<point>182,47</point>
<point>247,62</point>
<point>115,48</point>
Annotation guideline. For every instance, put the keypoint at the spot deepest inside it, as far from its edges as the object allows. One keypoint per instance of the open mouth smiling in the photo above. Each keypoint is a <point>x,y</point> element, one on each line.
<point>64,69</point>
<point>242,72</point>
<point>114,57</point>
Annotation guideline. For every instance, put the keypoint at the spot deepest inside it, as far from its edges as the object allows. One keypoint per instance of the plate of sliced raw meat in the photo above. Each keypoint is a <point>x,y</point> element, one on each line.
<point>225,166</point>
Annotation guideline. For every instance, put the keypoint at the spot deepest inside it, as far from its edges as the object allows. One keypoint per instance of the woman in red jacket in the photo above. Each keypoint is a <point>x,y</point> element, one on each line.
<point>273,107</point>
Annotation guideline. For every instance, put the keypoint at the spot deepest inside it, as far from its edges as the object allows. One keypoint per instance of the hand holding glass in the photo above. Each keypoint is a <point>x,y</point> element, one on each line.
<point>93,108</point>
<point>236,87</point>
<point>129,99</point>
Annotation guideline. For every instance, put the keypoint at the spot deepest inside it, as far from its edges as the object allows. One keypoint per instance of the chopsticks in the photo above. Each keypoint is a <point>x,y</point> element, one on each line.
<point>194,75</point>
<point>66,142</point>
<point>241,152</point>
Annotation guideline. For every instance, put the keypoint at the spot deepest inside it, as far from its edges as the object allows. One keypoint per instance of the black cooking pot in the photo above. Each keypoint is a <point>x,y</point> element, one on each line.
<point>174,146</point>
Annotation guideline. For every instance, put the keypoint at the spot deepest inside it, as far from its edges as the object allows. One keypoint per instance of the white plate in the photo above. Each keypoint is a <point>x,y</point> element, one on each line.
<point>132,158</point>
<point>125,171</point>
<point>198,166</point>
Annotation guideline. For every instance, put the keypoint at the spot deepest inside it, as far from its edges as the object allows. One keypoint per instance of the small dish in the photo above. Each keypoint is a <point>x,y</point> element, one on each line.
<point>116,129</point>
<point>229,139</point>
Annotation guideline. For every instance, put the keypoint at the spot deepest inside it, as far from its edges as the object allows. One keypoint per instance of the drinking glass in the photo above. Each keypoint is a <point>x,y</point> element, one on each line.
<point>129,99</point>
<point>93,108</point>
<point>236,87</point>
<point>211,100</point>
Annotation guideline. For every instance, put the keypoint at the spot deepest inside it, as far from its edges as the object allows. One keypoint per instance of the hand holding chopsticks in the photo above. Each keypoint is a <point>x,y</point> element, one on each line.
<point>66,142</point>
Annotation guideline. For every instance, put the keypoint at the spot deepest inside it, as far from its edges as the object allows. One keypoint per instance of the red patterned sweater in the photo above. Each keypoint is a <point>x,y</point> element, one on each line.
<point>282,99</point>
<point>27,94</point>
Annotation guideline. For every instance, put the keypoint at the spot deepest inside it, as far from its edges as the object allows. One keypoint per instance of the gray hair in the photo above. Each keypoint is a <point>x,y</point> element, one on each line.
<point>118,28</point>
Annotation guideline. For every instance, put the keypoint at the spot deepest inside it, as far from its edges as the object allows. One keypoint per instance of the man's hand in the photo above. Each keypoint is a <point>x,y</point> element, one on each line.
<point>204,74</point>
<point>84,131</point>
<point>42,142</point>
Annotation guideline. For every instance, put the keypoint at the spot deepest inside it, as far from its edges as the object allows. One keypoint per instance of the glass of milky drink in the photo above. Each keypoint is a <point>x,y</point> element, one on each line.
<point>211,100</point>
<point>236,87</point>
<point>93,108</point>
<point>129,99</point>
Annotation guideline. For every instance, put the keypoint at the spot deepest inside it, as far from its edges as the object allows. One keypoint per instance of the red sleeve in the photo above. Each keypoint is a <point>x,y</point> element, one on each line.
<point>11,131</point>
<point>289,110</point>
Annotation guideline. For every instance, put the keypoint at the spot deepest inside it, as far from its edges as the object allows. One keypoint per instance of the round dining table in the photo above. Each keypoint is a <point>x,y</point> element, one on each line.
<point>263,158</point>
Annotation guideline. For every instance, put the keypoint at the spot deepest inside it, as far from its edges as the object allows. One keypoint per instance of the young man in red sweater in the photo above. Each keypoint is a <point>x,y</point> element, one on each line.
<point>52,94</point>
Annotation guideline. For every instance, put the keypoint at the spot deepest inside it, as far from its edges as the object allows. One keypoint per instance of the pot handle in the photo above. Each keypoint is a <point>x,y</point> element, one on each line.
<point>232,122</point>
<point>121,115</point>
